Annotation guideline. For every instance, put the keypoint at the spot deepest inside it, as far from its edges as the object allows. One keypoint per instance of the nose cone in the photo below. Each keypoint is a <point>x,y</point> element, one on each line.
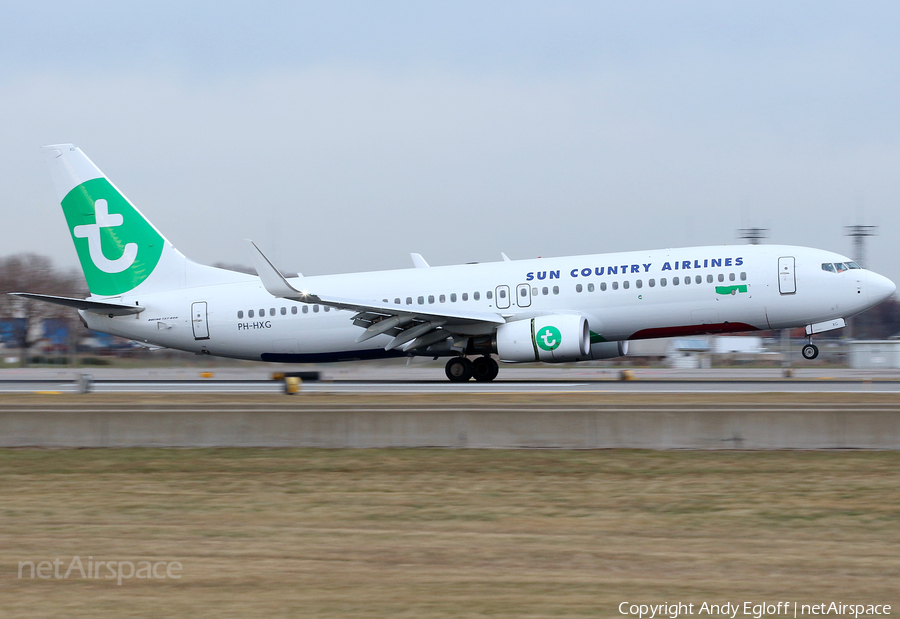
<point>879,287</point>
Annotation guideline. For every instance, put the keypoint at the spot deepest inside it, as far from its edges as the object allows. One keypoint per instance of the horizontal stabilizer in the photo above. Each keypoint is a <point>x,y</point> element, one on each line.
<point>97,307</point>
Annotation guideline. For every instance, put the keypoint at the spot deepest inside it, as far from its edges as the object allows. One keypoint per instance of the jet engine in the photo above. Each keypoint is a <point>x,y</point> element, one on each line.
<point>555,338</point>
<point>608,350</point>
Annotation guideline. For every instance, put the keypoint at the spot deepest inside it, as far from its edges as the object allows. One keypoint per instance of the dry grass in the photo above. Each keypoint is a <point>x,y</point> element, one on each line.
<point>441,533</point>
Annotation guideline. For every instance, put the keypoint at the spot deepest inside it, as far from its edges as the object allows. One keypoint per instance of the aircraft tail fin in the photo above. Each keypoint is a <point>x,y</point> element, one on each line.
<point>119,249</point>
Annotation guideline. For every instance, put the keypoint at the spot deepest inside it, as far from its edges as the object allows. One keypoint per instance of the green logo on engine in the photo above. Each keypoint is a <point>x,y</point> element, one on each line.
<point>117,247</point>
<point>548,338</point>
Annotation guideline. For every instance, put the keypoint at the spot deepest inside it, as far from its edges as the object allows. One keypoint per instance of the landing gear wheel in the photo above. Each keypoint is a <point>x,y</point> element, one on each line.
<point>485,369</point>
<point>459,369</point>
<point>810,351</point>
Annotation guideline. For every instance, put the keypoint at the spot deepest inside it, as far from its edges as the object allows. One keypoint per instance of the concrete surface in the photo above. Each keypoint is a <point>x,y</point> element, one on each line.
<point>500,422</point>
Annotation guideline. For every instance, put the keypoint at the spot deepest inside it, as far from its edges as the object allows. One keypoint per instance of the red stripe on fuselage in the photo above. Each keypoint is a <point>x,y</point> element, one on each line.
<point>722,327</point>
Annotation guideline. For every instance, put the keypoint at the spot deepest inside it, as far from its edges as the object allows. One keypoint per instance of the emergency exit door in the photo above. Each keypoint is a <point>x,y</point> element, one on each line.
<point>523,295</point>
<point>787,281</point>
<point>502,297</point>
<point>198,320</point>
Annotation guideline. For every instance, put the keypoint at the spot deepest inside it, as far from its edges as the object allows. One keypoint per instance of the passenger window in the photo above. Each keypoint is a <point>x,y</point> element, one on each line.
<point>523,292</point>
<point>271,311</point>
<point>421,300</point>
<point>556,290</point>
<point>687,280</point>
<point>305,309</point>
<point>731,277</point>
<point>327,308</point>
<point>590,287</point>
<point>502,293</point>
<point>545,290</point>
<point>578,288</point>
<point>488,294</point>
<point>262,313</point>
<point>284,311</point>
<point>409,300</point>
<point>709,279</point>
<point>675,281</point>
<point>662,282</point>
<point>743,276</point>
<point>384,300</point>
<point>240,313</point>
<point>625,284</point>
<point>639,284</point>
<point>476,296</point>
<point>615,285</point>
<point>443,299</point>
<point>250,314</point>
<point>534,292</point>
<point>453,297</point>
<point>698,279</point>
<point>431,298</point>
<point>602,286</point>
<point>827,266</point>
<point>652,283</point>
<point>465,296</point>
<point>315,309</point>
<point>721,277</point>
<point>294,309</point>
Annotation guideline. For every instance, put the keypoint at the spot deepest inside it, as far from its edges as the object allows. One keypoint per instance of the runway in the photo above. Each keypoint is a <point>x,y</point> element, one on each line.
<point>403,380</point>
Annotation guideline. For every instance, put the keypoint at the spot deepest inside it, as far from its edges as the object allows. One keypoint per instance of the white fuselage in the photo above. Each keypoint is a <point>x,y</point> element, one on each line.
<point>622,295</point>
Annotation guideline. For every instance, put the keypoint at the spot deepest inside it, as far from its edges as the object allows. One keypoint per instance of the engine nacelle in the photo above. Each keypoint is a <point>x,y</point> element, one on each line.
<point>561,337</point>
<point>609,350</point>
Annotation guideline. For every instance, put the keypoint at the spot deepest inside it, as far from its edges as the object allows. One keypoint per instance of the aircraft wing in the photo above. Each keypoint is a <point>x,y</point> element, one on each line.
<point>410,327</point>
<point>97,307</point>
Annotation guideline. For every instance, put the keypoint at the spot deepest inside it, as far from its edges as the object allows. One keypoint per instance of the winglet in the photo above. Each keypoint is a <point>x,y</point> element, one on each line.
<point>271,277</point>
<point>505,257</point>
<point>419,261</point>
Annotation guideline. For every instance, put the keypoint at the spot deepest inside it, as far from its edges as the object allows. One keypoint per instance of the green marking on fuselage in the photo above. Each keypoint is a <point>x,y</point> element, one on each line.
<point>731,289</point>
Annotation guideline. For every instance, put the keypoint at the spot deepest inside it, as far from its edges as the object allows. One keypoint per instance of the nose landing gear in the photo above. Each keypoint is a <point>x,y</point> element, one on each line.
<point>460,369</point>
<point>810,351</point>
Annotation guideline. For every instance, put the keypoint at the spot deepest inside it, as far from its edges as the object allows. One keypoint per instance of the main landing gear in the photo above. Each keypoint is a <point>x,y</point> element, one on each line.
<point>460,369</point>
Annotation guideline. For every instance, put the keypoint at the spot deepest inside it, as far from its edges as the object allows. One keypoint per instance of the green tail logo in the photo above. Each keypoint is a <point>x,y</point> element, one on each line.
<point>117,247</point>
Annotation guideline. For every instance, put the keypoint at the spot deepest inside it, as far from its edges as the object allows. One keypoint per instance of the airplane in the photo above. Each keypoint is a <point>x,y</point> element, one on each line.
<point>564,309</point>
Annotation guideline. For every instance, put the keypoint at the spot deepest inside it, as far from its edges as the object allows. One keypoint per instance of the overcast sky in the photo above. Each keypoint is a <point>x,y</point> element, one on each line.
<point>343,135</point>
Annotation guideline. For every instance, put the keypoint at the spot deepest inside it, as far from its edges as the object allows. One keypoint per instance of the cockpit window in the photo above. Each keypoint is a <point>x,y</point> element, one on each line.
<point>840,266</point>
<point>853,265</point>
<point>827,266</point>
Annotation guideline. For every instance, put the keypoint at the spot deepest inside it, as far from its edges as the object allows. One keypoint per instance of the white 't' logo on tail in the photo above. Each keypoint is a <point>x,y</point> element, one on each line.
<point>92,233</point>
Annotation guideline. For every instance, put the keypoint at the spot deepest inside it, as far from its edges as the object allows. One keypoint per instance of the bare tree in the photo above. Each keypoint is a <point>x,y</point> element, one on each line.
<point>34,273</point>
